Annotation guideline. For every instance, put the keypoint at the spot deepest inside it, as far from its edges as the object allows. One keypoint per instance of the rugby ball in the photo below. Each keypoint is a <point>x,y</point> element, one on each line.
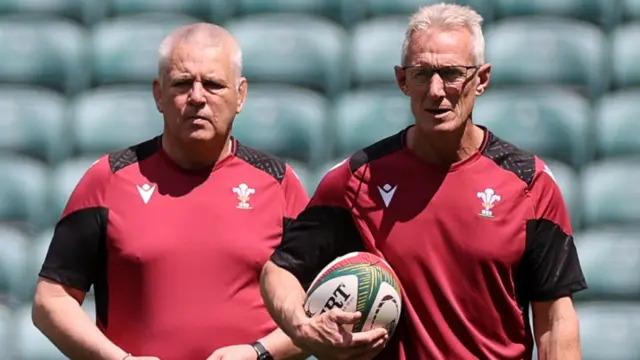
<point>358,281</point>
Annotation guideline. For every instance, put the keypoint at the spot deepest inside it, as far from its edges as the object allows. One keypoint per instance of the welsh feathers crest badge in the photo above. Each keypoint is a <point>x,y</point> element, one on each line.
<point>243,192</point>
<point>489,199</point>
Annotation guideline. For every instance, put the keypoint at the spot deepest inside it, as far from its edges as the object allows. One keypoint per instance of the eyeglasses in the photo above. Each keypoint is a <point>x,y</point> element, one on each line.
<point>450,75</point>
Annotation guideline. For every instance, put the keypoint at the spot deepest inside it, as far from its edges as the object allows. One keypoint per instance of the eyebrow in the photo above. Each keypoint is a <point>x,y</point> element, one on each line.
<point>213,78</point>
<point>180,77</point>
<point>210,77</point>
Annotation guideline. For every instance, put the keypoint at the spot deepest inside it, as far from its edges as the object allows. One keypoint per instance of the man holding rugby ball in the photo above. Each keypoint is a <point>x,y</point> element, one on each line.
<point>475,229</point>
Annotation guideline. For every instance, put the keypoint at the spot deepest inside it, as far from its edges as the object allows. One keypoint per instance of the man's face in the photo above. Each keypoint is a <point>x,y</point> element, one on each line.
<point>442,100</point>
<point>200,94</point>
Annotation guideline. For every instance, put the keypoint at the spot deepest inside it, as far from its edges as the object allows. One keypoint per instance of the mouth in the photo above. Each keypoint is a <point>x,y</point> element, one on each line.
<point>439,113</point>
<point>197,118</point>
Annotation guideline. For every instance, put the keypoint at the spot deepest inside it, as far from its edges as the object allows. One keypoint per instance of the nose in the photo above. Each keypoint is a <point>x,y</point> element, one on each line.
<point>196,96</point>
<point>436,87</point>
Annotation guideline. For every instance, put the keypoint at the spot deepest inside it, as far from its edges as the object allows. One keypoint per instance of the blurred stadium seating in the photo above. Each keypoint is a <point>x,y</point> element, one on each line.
<point>75,83</point>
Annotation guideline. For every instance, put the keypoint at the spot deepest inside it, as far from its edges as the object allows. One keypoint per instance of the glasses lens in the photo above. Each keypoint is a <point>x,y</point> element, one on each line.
<point>452,75</point>
<point>420,76</point>
<point>449,75</point>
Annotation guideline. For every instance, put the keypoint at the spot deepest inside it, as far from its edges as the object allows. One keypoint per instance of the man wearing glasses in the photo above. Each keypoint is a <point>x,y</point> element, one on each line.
<point>476,229</point>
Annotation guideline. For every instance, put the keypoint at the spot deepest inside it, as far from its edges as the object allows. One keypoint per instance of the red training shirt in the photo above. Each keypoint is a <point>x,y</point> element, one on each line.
<point>174,255</point>
<point>472,244</point>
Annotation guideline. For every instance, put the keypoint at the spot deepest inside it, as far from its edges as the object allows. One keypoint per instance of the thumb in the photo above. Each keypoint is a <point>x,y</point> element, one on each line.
<point>342,317</point>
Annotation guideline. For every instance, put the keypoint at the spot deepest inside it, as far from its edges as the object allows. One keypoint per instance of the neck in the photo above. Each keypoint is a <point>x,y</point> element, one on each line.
<point>195,155</point>
<point>445,148</point>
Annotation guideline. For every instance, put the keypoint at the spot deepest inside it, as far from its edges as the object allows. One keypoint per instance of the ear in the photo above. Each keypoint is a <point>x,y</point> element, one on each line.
<point>157,94</point>
<point>484,77</point>
<point>401,79</point>
<point>242,94</point>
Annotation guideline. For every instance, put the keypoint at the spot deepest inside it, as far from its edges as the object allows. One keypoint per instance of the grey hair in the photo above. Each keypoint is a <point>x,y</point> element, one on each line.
<point>209,33</point>
<point>447,16</point>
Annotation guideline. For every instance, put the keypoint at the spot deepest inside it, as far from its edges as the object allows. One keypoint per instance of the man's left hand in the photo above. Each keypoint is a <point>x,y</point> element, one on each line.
<point>235,352</point>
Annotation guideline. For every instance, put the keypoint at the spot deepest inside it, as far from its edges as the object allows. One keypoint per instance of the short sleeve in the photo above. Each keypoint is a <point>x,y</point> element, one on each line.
<point>74,253</point>
<point>550,263</point>
<point>295,195</point>
<point>323,231</point>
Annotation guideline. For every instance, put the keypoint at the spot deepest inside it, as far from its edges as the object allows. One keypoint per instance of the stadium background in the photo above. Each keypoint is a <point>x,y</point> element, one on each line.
<point>75,82</point>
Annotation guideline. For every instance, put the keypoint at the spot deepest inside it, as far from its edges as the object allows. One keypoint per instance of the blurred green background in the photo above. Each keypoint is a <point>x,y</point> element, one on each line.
<point>75,83</point>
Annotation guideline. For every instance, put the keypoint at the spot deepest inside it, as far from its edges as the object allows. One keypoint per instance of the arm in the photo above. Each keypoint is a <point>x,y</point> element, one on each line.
<point>322,232</point>
<point>284,297</point>
<point>70,268</point>
<point>285,284</point>
<point>556,329</point>
<point>278,343</point>
<point>58,314</point>
<point>552,271</point>
<point>315,238</point>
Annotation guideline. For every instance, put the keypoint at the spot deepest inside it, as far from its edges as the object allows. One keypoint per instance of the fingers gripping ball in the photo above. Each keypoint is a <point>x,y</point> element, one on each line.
<point>358,281</point>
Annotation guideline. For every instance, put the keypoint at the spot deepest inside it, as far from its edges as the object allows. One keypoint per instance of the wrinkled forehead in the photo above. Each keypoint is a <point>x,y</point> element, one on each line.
<point>194,60</point>
<point>440,47</point>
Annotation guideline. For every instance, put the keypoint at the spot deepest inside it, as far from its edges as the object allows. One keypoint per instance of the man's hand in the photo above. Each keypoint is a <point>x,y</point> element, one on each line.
<point>141,358</point>
<point>235,352</point>
<point>325,337</point>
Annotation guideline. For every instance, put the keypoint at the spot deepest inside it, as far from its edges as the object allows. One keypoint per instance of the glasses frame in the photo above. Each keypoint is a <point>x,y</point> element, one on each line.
<point>438,70</point>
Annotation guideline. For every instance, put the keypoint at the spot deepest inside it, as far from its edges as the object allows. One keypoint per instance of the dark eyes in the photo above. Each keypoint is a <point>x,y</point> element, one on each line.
<point>212,85</point>
<point>207,84</point>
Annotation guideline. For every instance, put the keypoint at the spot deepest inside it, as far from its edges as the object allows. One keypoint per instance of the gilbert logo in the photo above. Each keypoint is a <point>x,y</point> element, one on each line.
<point>244,193</point>
<point>489,198</point>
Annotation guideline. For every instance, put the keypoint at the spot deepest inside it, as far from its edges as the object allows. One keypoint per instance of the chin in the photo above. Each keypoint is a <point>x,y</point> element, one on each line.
<point>201,135</point>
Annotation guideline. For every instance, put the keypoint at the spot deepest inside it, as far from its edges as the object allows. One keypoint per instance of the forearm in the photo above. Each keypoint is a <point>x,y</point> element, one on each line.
<point>561,341</point>
<point>283,296</point>
<point>72,331</point>
<point>281,347</point>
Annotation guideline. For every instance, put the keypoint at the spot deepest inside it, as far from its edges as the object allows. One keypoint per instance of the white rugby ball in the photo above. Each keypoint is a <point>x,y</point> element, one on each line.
<point>358,281</point>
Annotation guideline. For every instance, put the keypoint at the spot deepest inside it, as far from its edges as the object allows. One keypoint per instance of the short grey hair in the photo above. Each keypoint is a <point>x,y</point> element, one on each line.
<point>447,16</point>
<point>207,34</point>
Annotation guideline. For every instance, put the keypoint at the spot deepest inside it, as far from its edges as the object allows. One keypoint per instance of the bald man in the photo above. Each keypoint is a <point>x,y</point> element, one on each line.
<point>172,233</point>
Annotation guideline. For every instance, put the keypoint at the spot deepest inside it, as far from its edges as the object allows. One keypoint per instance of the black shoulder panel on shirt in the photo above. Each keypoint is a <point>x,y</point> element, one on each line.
<point>550,267</point>
<point>262,161</point>
<point>315,238</point>
<point>510,158</point>
<point>377,150</point>
<point>122,158</point>
<point>73,257</point>
<point>77,255</point>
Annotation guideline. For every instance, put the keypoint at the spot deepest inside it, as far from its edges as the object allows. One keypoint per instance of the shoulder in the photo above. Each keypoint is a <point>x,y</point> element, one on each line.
<point>527,167</point>
<point>338,177</point>
<point>120,159</point>
<point>92,186</point>
<point>376,151</point>
<point>369,154</point>
<point>509,157</point>
<point>267,163</point>
<point>96,176</point>
<point>101,171</point>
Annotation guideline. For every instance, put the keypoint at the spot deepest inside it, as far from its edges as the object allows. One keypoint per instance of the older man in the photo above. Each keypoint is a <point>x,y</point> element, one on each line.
<point>475,228</point>
<point>172,233</point>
